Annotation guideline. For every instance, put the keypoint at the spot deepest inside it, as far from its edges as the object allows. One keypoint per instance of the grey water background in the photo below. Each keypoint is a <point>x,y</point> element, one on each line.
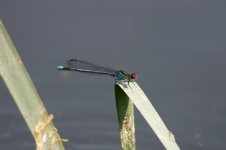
<point>177,48</point>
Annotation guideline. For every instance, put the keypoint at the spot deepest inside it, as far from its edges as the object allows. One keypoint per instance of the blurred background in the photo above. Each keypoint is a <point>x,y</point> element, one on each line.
<point>176,47</point>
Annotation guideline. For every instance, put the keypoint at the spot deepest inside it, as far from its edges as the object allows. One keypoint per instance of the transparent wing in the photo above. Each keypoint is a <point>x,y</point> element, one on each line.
<point>79,64</point>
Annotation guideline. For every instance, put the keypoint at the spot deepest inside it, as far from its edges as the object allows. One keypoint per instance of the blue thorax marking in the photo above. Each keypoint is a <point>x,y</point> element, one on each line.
<point>120,75</point>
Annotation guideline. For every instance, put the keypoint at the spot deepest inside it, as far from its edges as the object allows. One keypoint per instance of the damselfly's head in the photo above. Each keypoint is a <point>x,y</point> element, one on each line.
<point>133,76</point>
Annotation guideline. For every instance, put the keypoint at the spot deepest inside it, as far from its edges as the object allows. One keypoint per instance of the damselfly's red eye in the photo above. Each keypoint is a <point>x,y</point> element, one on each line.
<point>133,76</point>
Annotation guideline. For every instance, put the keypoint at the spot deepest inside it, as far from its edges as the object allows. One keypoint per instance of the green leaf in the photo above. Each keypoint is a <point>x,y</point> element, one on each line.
<point>26,96</point>
<point>125,113</point>
<point>147,110</point>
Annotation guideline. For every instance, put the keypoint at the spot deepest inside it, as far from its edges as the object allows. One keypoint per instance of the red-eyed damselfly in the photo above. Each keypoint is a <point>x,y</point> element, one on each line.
<point>85,67</point>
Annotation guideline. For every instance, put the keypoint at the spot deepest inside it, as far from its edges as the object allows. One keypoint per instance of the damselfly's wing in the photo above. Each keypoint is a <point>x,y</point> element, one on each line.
<point>79,64</point>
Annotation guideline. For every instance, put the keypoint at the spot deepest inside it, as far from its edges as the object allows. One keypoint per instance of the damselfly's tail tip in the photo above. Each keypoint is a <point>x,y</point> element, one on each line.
<point>60,68</point>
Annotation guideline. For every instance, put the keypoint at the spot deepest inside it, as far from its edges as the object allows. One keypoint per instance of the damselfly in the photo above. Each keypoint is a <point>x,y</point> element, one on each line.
<point>82,66</point>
